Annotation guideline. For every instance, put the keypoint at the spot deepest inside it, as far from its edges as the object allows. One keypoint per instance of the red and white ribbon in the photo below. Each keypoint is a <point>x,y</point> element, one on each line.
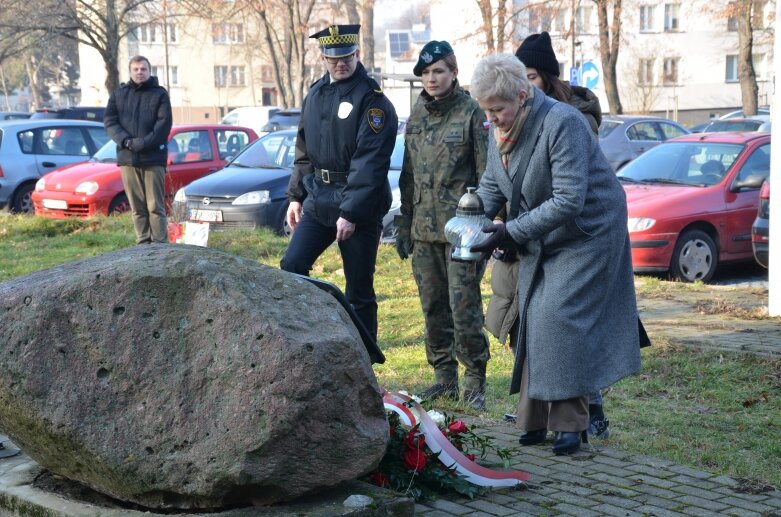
<point>411,413</point>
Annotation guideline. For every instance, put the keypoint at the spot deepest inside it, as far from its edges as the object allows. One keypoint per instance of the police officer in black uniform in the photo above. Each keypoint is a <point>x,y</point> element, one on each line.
<point>345,140</point>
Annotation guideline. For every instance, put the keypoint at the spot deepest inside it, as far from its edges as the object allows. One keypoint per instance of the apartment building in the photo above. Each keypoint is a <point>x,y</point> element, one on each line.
<point>208,67</point>
<point>677,58</point>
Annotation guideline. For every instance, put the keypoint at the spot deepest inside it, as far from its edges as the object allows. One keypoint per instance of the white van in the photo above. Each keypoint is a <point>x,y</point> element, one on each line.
<point>253,117</point>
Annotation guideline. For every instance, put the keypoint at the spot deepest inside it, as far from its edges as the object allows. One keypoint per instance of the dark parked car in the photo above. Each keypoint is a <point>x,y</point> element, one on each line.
<point>760,230</point>
<point>283,119</point>
<point>94,113</point>
<point>623,138</point>
<point>734,124</point>
<point>250,191</point>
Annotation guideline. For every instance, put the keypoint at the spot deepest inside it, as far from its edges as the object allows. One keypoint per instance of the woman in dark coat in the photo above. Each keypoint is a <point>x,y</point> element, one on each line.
<point>578,312</point>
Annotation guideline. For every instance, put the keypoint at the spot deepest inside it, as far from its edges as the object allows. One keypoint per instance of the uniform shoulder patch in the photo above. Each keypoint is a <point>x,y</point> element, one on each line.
<point>376,118</point>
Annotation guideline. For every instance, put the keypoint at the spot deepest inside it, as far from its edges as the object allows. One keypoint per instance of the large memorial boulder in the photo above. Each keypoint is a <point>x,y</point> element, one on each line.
<point>183,377</point>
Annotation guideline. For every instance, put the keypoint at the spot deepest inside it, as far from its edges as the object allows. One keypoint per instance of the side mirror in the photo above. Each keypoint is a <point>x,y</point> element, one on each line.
<point>754,181</point>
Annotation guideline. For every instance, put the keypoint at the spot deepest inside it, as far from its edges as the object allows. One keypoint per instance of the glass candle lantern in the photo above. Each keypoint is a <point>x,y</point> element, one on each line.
<point>466,228</point>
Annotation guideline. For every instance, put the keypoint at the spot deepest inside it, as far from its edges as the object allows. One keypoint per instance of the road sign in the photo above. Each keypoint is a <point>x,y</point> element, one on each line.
<point>591,75</point>
<point>574,76</point>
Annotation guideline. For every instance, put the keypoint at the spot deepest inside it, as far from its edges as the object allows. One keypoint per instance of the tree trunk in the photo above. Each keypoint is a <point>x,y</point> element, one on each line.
<point>609,41</point>
<point>486,14</point>
<point>5,88</point>
<point>748,77</point>
<point>32,76</point>
<point>367,34</point>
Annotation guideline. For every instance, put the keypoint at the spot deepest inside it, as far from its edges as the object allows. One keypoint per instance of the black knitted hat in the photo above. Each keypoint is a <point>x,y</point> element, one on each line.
<point>536,52</point>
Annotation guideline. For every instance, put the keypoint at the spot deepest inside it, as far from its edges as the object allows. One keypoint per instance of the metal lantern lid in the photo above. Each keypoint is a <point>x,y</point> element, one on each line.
<point>470,204</point>
<point>466,229</point>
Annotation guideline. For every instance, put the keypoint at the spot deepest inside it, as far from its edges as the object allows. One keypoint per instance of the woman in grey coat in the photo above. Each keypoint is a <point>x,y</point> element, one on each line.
<point>579,330</point>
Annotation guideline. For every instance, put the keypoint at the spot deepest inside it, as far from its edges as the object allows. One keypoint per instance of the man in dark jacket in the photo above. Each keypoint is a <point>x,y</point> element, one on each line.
<point>138,118</point>
<point>339,187</point>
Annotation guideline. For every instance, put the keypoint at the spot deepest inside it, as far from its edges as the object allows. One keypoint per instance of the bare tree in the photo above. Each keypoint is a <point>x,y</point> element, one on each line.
<point>285,29</point>
<point>609,42</point>
<point>742,12</point>
<point>494,18</point>
<point>100,24</point>
<point>367,33</point>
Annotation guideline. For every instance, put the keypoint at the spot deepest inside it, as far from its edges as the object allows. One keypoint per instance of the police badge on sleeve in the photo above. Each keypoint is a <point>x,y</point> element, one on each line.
<point>376,119</point>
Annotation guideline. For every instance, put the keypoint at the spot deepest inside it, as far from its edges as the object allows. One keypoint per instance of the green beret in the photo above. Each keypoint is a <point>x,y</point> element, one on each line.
<point>432,52</point>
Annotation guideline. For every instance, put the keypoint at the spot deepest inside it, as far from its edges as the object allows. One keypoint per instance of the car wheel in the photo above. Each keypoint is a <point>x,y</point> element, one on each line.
<point>23,200</point>
<point>119,205</point>
<point>695,257</point>
<point>283,228</point>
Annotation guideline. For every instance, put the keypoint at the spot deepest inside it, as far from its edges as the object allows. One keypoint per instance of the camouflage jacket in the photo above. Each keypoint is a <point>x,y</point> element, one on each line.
<point>445,152</point>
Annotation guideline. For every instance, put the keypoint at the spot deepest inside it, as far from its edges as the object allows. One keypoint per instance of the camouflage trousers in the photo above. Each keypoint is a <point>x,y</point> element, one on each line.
<point>453,309</point>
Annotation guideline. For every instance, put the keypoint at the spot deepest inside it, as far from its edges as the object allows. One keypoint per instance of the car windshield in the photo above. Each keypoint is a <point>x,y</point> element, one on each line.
<point>107,153</point>
<point>607,127</point>
<point>397,158</point>
<point>682,163</point>
<point>734,125</point>
<point>273,150</point>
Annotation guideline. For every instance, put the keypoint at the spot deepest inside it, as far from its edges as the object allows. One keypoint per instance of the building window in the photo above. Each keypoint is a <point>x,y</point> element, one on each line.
<point>560,25</point>
<point>159,72</point>
<point>670,72</point>
<point>266,74</point>
<point>220,76</point>
<point>583,19</point>
<point>758,60</point>
<point>155,33</point>
<point>398,42</point>
<point>224,33</point>
<point>758,14</point>
<point>646,72</point>
<point>646,18</point>
<point>171,33</point>
<point>671,17</point>
<point>237,76</point>
<point>731,75</point>
<point>147,33</point>
<point>539,18</point>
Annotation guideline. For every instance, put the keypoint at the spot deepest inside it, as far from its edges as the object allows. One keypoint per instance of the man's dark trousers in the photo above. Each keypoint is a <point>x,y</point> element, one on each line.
<point>359,254</point>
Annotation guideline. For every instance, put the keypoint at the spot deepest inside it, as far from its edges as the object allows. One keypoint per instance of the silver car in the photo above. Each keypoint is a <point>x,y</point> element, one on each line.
<point>623,138</point>
<point>31,148</point>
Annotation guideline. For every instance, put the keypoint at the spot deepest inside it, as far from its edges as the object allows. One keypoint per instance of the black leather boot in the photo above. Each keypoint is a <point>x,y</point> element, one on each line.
<point>533,437</point>
<point>566,443</point>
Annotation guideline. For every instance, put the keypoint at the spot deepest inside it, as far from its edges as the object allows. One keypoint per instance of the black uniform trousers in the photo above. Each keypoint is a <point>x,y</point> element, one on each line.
<point>359,255</point>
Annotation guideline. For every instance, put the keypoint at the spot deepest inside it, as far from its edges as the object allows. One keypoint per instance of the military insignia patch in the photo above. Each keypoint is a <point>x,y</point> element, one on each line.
<point>428,58</point>
<point>376,119</point>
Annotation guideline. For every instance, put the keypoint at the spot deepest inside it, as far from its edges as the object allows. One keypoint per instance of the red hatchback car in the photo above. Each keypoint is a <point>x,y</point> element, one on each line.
<point>692,201</point>
<point>95,187</point>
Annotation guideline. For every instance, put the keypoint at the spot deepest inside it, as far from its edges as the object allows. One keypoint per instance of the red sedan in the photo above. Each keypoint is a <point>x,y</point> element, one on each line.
<point>692,201</point>
<point>95,187</point>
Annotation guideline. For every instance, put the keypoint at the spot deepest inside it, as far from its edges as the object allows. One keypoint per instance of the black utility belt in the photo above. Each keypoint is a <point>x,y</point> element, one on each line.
<point>327,176</point>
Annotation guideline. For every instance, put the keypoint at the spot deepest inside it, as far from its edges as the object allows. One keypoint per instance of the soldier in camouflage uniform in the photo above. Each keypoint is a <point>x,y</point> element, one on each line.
<point>445,152</point>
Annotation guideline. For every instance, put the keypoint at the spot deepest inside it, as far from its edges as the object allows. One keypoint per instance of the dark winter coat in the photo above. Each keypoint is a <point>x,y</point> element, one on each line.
<point>142,113</point>
<point>346,126</point>
<point>577,302</point>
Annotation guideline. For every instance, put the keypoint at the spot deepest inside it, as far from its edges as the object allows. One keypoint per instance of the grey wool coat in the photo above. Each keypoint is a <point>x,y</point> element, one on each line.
<point>577,303</point>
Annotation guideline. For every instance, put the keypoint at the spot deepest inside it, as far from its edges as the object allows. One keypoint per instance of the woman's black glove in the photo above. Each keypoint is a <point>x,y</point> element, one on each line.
<point>498,238</point>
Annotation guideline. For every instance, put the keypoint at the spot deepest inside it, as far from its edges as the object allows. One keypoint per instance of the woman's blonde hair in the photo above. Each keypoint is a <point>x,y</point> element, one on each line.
<point>500,75</point>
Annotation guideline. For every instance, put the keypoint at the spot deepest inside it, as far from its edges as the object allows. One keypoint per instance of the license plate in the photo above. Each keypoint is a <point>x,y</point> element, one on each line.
<point>208,216</point>
<point>55,204</point>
